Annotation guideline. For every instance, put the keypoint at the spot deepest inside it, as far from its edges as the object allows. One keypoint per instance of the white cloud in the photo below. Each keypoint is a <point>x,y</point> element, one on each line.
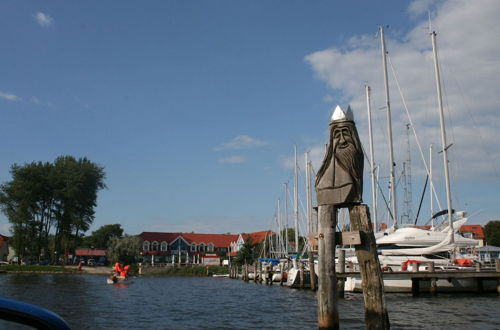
<point>241,142</point>
<point>470,73</point>
<point>43,19</point>
<point>9,96</point>
<point>232,160</point>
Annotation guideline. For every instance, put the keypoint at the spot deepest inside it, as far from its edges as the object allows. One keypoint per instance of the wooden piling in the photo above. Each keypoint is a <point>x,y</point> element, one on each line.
<point>341,269</point>
<point>328,315</point>
<point>301,274</point>
<point>376,316</point>
<point>478,267</point>
<point>262,273</point>
<point>433,286</point>
<point>245,274</point>
<point>255,272</point>
<point>497,268</point>
<point>312,271</point>
<point>282,272</point>
<point>415,286</point>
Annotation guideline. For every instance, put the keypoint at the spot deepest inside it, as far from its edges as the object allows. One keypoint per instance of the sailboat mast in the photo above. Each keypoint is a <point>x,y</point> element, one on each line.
<point>392,164</point>
<point>286,218</point>
<point>278,236</point>
<point>372,158</point>
<point>309,195</point>
<point>443,132</point>
<point>296,201</point>
<point>431,186</point>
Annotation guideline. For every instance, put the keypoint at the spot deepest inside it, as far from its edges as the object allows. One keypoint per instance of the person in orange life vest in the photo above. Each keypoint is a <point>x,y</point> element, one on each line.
<point>124,271</point>
<point>118,268</point>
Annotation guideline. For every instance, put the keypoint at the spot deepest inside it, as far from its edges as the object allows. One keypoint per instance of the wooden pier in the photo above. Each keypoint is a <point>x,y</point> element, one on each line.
<point>432,277</point>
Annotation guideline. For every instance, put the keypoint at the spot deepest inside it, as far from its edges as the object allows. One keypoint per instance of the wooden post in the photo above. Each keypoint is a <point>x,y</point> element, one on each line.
<point>255,272</point>
<point>328,314</point>
<point>341,269</point>
<point>415,286</point>
<point>262,273</point>
<point>479,285</point>
<point>376,316</point>
<point>433,286</point>
<point>312,272</point>
<point>301,274</point>
<point>282,272</point>
<point>245,275</point>
<point>497,264</point>
<point>478,267</point>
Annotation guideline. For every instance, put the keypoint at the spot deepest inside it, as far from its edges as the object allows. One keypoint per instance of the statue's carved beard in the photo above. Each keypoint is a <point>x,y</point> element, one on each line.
<point>348,160</point>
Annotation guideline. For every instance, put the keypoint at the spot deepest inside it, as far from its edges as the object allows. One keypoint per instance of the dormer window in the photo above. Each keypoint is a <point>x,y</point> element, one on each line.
<point>154,246</point>
<point>164,246</point>
<point>145,245</point>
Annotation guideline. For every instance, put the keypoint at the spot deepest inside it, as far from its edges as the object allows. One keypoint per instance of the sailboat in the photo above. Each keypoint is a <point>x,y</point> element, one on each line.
<point>397,246</point>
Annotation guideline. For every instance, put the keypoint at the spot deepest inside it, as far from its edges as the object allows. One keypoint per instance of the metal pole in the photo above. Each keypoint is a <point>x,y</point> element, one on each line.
<point>443,133</point>
<point>372,159</point>
<point>392,164</point>
<point>296,202</point>
<point>431,185</point>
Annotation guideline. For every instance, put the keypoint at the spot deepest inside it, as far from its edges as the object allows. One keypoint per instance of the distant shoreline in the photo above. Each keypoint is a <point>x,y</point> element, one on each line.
<point>195,271</point>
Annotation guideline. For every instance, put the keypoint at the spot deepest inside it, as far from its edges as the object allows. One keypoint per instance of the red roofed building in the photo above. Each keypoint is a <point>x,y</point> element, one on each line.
<point>91,256</point>
<point>184,247</point>
<point>256,237</point>
<point>473,231</point>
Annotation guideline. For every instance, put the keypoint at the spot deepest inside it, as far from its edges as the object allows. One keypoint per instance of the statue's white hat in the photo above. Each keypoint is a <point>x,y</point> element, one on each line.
<point>341,115</point>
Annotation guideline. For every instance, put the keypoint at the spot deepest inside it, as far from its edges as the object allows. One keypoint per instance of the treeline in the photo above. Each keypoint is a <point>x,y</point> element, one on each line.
<point>50,205</point>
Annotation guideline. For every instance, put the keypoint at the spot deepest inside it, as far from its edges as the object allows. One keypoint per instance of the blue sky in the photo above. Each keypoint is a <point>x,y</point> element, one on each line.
<point>193,107</point>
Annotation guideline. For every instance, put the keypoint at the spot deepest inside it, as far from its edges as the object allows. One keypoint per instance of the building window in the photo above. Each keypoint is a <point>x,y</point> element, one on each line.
<point>154,246</point>
<point>201,247</point>
<point>210,247</point>
<point>164,246</point>
<point>145,246</point>
<point>193,247</point>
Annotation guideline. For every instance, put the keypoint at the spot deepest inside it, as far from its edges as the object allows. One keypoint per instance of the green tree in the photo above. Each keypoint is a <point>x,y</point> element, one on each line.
<point>124,249</point>
<point>76,185</point>
<point>246,254</point>
<point>45,199</point>
<point>492,233</point>
<point>102,236</point>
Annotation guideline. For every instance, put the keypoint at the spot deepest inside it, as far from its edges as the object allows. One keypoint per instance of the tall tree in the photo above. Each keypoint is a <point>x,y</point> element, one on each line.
<point>492,233</point>
<point>45,199</point>
<point>246,254</point>
<point>124,249</point>
<point>102,236</point>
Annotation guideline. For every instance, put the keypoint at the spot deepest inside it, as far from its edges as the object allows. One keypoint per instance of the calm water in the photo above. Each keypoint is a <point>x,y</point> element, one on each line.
<point>86,302</point>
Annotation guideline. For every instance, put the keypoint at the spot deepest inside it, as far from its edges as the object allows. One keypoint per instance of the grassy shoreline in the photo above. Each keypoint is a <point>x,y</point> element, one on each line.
<point>145,271</point>
<point>37,269</point>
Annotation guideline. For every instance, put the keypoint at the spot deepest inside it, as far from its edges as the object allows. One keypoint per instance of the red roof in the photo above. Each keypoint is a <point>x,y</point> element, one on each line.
<point>90,252</point>
<point>258,236</point>
<point>218,240</point>
<point>476,230</point>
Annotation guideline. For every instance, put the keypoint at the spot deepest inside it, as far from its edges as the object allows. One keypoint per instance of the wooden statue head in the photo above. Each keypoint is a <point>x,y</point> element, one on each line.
<point>340,178</point>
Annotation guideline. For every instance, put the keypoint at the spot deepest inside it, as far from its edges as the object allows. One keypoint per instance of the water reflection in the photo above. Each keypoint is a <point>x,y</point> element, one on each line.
<point>87,302</point>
